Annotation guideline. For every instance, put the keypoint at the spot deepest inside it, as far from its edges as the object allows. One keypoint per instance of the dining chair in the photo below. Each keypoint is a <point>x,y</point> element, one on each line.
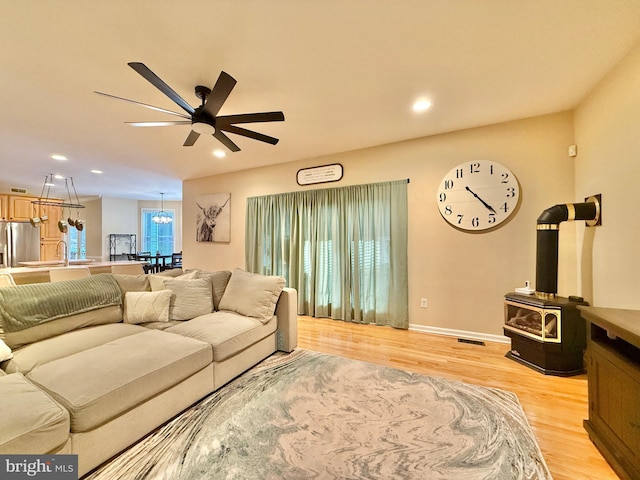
<point>176,260</point>
<point>68,273</point>
<point>148,266</point>
<point>131,269</point>
<point>6,280</point>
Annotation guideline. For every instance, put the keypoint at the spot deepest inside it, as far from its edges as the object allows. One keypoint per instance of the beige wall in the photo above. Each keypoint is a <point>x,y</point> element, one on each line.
<point>464,276</point>
<point>108,215</point>
<point>607,126</point>
<point>92,215</point>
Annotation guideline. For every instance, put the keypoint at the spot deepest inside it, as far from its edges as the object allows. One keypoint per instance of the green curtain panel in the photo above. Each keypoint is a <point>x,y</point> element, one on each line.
<point>343,249</point>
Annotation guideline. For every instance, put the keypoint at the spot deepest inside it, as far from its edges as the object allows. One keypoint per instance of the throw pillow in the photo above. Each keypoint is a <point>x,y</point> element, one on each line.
<point>145,307</point>
<point>5,352</point>
<point>252,294</point>
<point>219,281</point>
<point>189,299</point>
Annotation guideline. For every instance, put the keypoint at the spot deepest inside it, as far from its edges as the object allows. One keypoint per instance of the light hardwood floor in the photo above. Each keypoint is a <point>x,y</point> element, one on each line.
<point>555,406</point>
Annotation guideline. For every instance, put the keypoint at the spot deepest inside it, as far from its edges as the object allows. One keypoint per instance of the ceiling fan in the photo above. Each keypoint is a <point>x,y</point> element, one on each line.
<point>204,120</point>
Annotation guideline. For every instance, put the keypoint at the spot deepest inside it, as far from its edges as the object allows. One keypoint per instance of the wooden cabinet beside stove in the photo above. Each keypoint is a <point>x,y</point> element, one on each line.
<point>613,371</point>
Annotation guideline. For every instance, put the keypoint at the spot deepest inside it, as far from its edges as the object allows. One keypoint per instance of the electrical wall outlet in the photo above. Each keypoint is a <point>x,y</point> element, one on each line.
<point>423,303</point>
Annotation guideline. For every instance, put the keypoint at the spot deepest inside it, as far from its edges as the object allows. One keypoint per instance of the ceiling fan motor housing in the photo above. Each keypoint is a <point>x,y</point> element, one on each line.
<point>202,93</point>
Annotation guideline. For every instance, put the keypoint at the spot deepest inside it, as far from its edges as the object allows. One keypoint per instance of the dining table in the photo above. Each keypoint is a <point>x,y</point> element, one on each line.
<point>157,262</point>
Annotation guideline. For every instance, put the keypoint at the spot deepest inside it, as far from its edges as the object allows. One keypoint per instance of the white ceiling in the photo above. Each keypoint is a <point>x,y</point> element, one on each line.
<point>344,72</point>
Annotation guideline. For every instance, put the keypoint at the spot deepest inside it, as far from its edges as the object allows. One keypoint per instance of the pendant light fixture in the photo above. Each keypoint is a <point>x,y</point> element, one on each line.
<point>162,216</point>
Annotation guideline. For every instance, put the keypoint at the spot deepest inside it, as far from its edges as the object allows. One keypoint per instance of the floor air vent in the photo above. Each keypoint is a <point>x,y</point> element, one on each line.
<point>473,342</point>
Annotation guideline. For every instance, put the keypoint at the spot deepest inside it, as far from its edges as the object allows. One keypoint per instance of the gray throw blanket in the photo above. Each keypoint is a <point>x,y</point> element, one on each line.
<point>25,306</point>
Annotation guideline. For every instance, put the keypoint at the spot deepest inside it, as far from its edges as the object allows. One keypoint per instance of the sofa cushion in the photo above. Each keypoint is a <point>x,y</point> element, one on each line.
<point>219,281</point>
<point>190,297</point>
<point>46,330</point>
<point>35,311</point>
<point>145,307</point>
<point>132,283</point>
<point>252,294</point>
<point>100,383</point>
<point>31,421</point>
<point>227,332</point>
<point>27,358</point>
<point>170,272</point>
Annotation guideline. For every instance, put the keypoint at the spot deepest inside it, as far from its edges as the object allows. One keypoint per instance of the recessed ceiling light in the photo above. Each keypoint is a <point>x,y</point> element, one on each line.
<point>57,156</point>
<point>96,171</point>
<point>421,105</point>
<point>219,153</point>
<point>58,176</point>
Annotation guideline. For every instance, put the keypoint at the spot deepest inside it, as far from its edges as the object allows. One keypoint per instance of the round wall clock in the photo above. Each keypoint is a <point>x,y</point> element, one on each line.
<point>478,195</point>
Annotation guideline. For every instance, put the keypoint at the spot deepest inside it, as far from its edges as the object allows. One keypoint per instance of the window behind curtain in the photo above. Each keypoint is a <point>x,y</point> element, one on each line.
<point>343,249</point>
<point>157,237</point>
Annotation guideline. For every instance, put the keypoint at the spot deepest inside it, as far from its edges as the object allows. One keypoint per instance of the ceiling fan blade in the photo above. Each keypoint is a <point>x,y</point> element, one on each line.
<point>251,118</point>
<point>219,93</point>
<point>157,109</point>
<point>158,124</point>
<point>249,133</point>
<point>151,77</point>
<point>226,141</point>
<point>191,139</point>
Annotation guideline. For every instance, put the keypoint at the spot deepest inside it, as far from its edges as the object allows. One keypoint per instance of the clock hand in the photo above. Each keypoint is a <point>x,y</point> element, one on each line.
<point>489,207</point>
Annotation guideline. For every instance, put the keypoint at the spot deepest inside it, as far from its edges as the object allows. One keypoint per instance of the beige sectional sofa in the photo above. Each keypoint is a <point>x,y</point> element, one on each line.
<point>99,362</point>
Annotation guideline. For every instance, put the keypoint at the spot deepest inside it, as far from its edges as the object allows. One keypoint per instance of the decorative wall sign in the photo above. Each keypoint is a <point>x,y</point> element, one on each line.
<point>213,222</point>
<point>321,174</point>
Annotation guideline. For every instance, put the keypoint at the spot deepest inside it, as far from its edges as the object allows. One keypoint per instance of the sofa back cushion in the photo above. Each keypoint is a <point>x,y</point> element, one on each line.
<point>190,297</point>
<point>132,283</point>
<point>252,294</point>
<point>32,312</point>
<point>219,281</point>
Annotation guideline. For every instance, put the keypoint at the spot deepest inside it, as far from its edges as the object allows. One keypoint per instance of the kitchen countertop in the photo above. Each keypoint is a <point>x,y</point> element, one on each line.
<point>41,274</point>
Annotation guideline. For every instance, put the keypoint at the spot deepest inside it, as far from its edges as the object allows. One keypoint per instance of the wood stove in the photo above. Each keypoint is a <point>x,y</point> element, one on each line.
<point>547,332</point>
<point>548,335</point>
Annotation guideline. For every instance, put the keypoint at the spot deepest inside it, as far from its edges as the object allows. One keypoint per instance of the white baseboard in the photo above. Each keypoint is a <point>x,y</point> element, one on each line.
<point>460,333</point>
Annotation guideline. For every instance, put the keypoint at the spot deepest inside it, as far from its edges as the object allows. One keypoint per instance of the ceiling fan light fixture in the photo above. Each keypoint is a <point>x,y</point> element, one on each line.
<point>202,128</point>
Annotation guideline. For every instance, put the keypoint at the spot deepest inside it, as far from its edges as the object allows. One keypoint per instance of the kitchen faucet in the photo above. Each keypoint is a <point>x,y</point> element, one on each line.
<point>65,252</point>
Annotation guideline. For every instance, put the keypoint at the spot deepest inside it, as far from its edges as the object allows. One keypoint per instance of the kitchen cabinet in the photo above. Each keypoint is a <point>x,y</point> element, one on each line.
<point>49,230</point>
<point>613,372</point>
<point>50,234</point>
<point>20,208</point>
<point>4,206</point>
<point>49,250</point>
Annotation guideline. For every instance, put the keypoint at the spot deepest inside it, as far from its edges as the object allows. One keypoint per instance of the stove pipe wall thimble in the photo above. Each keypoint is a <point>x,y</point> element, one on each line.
<point>548,226</point>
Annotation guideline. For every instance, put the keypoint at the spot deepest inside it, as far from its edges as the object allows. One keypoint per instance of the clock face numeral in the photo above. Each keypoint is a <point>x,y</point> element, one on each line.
<point>478,195</point>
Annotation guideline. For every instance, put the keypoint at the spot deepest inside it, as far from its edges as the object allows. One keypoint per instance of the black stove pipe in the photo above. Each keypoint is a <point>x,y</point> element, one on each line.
<point>548,226</point>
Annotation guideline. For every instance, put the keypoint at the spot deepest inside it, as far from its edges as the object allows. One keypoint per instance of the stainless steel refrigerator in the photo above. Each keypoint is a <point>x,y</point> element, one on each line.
<point>19,242</point>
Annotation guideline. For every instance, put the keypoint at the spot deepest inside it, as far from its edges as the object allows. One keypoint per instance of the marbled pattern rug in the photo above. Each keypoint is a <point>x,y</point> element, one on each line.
<point>309,415</point>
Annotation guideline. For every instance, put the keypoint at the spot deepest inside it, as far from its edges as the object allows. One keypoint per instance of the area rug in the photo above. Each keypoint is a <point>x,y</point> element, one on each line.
<point>309,415</point>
